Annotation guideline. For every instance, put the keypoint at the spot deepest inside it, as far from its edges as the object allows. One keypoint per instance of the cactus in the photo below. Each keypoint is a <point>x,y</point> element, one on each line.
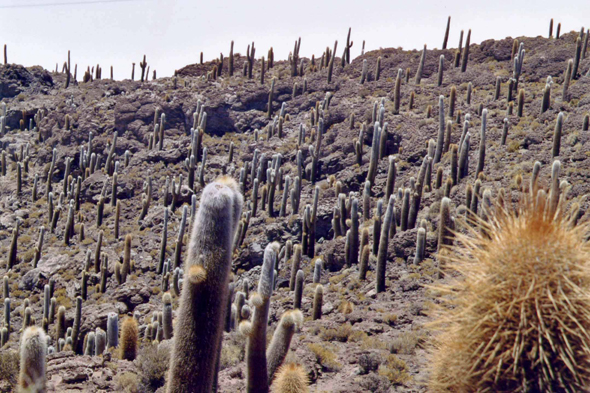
<point>5,287</point>
<point>420,245</point>
<point>33,349</point>
<point>557,135</point>
<point>574,74</point>
<point>163,242</point>
<point>397,99</point>
<point>77,324</point>
<point>520,102</point>
<point>281,341</point>
<point>126,266</point>
<point>203,306</point>
<point>383,245</point>
<point>317,271</point>
<point>129,339</point>
<point>90,343</point>
<point>464,157</point>
<point>331,62</point>
<point>100,342</point>
<point>256,360</point>
<point>441,130</point>
<point>364,71</point>
<point>482,142</point>
<point>317,302</point>
<point>482,305</point>
<point>378,68</point>
<point>112,330</point>
<point>299,281</point>
<point>554,195</point>
<point>99,211</point>
<point>167,316</point>
<point>446,39</point>
<point>7,313</point>
<point>270,98</point>
<point>566,80</point>
<point>465,56</point>
<point>291,378</point>
<point>441,64</point>
<point>12,254</point>
<point>296,261</point>
<point>420,70</point>
<point>60,329</point>
<point>445,225</point>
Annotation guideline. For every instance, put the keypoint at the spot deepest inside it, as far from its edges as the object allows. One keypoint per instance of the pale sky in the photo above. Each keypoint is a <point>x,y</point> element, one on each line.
<point>172,33</point>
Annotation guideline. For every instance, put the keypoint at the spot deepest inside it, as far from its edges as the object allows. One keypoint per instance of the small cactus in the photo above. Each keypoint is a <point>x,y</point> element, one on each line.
<point>33,350</point>
<point>291,378</point>
<point>129,339</point>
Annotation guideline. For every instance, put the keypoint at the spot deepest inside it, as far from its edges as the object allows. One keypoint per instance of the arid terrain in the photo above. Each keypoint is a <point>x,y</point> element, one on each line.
<point>366,340</point>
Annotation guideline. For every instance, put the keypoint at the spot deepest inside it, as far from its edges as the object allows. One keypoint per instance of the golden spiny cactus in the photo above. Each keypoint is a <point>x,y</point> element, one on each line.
<point>517,315</point>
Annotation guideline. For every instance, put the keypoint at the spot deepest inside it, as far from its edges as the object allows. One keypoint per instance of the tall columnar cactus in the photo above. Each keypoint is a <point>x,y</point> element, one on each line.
<point>296,261</point>
<point>577,56</point>
<point>566,80</point>
<point>421,66</point>
<point>60,329</point>
<point>441,130</point>
<point>482,142</point>
<point>278,348</point>
<point>299,282</point>
<point>203,303</point>
<point>441,64</point>
<point>180,237</point>
<point>445,225</point>
<point>77,324</point>
<point>33,350</point>
<point>521,100</point>
<point>464,157</point>
<point>465,56</point>
<point>163,242</point>
<point>420,245</point>
<point>256,360</point>
<point>397,89</point>
<point>112,330</point>
<point>12,254</point>
<point>446,39</point>
<point>557,135</point>
<point>547,95</point>
<point>318,299</point>
<point>383,245</point>
<point>7,313</point>
<point>167,316</point>
<point>364,71</point>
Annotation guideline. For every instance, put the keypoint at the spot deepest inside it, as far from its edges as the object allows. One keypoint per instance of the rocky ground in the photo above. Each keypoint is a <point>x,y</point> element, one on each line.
<point>365,341</point>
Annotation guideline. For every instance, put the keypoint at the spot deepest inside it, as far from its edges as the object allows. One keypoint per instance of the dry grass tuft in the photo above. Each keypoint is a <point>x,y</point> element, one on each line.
<point>518,318</point>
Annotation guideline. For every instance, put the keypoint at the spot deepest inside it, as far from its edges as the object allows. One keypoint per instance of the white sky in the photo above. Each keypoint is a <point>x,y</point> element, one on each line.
<point>172,33</point>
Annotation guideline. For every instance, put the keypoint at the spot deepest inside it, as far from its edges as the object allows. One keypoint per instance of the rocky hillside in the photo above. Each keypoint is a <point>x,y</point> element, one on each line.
<point>90,172</point>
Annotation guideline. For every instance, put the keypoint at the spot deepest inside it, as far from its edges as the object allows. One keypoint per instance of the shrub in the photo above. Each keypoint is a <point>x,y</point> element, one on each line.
<point>9,366</point>
<point>325,357</point>
<point>152,364</point>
